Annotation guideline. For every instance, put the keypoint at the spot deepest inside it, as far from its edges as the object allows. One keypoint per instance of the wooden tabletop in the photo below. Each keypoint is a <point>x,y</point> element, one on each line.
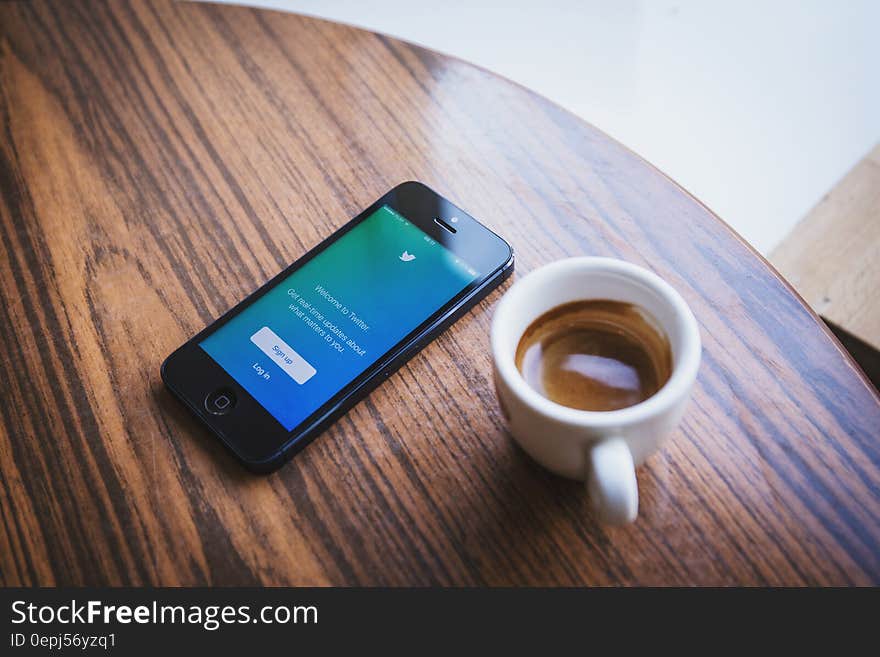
<point>160,160</point>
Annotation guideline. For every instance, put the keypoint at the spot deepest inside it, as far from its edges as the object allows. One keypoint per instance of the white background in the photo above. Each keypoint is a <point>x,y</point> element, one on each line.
<point>757,108</point>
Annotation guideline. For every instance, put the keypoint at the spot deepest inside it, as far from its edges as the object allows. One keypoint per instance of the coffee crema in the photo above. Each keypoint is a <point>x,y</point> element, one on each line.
<point>595,355</point>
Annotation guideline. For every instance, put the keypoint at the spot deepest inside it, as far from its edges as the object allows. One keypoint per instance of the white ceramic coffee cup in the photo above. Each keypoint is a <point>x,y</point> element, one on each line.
<point>599,447</point>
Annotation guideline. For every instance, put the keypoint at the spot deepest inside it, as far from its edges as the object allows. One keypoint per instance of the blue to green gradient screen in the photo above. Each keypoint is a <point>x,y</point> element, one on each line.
<point>318,329</point>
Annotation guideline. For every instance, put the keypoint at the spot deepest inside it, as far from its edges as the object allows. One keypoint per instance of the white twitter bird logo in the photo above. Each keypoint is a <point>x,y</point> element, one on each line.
<point>406,257</point>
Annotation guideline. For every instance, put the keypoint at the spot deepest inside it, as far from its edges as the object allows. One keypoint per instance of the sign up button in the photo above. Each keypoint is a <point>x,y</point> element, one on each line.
<point>283,355</point>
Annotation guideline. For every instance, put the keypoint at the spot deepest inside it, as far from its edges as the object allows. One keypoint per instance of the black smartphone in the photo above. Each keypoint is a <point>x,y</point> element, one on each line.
<point>272,373</point>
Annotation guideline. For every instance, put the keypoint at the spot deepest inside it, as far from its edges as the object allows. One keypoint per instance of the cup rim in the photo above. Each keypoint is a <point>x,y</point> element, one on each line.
<point>685,366</point>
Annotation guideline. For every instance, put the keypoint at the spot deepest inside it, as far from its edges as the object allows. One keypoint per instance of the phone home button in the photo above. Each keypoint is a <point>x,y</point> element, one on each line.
<point>220,402</point>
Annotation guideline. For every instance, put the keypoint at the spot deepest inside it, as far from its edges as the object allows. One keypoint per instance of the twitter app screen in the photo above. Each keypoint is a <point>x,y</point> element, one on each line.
<point>314,332</point>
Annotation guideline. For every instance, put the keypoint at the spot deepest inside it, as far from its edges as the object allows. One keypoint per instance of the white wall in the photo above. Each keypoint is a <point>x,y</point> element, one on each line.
<point>757,108</point>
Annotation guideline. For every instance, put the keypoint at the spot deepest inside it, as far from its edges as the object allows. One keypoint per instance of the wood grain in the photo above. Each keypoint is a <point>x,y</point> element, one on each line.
<point>160,160</point>
<point>832,257</point>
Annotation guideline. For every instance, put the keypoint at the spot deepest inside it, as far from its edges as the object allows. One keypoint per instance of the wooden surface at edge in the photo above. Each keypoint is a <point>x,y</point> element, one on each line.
<point>831,255</point>
<point>128,494</point>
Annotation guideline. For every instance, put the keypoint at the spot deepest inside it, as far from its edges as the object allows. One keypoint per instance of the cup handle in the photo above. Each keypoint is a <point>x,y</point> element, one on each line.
<point>611,481</point>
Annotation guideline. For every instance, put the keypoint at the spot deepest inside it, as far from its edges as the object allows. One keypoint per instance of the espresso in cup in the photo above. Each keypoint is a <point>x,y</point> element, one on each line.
<point>632,354</point>
<point>595,355</point>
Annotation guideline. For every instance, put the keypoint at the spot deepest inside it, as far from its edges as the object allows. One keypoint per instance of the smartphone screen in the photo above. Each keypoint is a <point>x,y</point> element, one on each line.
<point>316,330</point>
<point>277,369</point>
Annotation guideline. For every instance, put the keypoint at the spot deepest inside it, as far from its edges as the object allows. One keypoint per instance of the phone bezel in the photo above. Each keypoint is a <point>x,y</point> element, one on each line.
<point>255,437</point>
